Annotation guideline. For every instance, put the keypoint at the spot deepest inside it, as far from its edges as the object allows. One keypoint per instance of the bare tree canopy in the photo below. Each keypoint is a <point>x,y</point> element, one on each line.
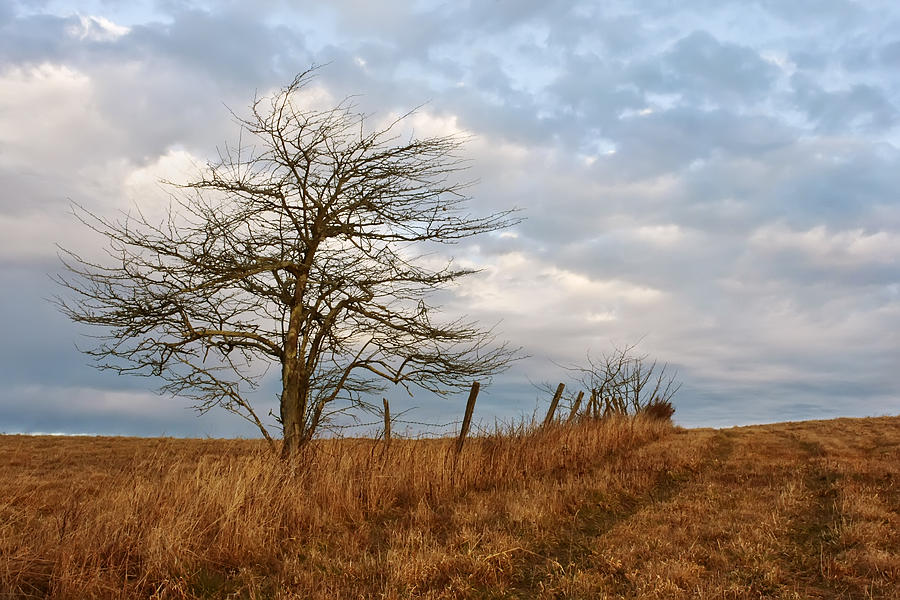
<point>304,249</point>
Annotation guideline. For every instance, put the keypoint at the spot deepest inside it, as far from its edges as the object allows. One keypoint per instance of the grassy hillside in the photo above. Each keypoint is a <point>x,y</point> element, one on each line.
<point>629,509</point>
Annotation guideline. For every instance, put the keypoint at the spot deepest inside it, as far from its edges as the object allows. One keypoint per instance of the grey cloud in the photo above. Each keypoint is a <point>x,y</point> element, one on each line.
<point>595,87</point>
<point>208,42</point>
<point>489,76</point>
<point>710,406</point>
<point>859,108</point>
<point>30,190</point>
<point>832,182</point>
<point>615,35</point>
<point>50,387</point>
<point>838,190</point>
<point>34,38</point>
<point>703,69</point>
<point>27,354</point>
<point>890,54</point>
<point>837,13</point>
<point>51,409</point>
<point>809,60</point>
<point>500,16</point>
<point>6,12</point>
<point>670,140</point>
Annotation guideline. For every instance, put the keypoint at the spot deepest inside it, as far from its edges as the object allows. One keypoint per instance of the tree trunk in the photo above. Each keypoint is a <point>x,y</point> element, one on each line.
<point>294,380</point>
<point>291,411</point>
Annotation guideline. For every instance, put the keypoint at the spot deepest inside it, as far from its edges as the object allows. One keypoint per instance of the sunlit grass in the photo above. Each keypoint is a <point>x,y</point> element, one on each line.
<point>621,508</point>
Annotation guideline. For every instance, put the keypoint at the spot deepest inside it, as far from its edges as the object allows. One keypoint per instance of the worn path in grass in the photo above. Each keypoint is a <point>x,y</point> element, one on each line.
<point>794,510</point>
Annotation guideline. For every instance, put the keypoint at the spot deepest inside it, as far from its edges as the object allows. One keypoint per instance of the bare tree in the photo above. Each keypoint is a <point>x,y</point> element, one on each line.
<point>308,249</point>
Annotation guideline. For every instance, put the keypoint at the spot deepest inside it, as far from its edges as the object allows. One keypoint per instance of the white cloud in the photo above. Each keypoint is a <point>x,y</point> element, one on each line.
<point>425,123</point>
<point>144,186</point>
<point>97,29</point>
<point>846,247</point>
<point>660,235</point>
<point>49,117</point>
<point>780,59</point>
<point>602,317</point>
<point>520,285</point>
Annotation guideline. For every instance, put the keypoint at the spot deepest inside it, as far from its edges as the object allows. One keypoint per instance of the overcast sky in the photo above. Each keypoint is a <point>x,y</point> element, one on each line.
<point>718,179</point>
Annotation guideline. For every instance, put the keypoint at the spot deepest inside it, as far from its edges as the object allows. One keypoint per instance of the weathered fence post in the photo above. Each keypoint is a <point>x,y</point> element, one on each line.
<point>387,421</point>
<point>574,412</point>
<point>559,390</point>
<point>467,419</point>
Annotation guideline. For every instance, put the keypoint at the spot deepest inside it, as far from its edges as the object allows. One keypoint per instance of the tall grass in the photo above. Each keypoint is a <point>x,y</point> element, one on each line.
<point>176,522</point>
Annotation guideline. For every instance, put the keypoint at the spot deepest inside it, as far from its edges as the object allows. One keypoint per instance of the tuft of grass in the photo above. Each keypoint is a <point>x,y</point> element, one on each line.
<point>658,410</point>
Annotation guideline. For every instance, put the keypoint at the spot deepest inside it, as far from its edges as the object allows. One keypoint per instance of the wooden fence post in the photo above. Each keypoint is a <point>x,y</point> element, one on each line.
<point>387,421</point>
<point>559,390</point>
<point>467,419</point>
<point>574,412</point>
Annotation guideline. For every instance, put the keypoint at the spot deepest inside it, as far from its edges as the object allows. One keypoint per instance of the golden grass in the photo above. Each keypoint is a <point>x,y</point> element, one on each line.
<point>621,508</point>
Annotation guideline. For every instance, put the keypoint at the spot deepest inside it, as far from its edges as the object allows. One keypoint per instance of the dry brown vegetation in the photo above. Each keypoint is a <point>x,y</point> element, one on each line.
<point>619,508</point>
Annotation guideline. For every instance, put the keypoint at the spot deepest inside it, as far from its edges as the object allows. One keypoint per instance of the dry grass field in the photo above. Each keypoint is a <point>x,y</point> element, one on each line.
<point>616,509</point>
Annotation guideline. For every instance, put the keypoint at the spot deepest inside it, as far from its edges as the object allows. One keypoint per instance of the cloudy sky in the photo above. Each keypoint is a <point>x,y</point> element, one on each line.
<point>718,179</point>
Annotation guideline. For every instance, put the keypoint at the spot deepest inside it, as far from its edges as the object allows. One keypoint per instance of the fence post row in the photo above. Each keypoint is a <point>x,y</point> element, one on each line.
<point>574,412</point>
<point>559,390</point>
<point>467,419</point>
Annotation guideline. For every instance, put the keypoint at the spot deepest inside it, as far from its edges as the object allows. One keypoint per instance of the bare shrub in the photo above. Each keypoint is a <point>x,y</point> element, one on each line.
<point>621,382</point>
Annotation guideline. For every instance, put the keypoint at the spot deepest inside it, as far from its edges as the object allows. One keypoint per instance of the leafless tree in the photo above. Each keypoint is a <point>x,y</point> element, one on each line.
<point>311,248</point>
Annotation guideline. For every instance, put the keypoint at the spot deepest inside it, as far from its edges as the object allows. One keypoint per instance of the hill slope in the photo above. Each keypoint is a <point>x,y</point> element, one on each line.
<point>634,510</point>
<point>796,510</point>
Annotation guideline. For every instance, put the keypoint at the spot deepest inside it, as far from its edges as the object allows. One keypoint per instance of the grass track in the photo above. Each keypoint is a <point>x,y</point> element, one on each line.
<point>783,511</point>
